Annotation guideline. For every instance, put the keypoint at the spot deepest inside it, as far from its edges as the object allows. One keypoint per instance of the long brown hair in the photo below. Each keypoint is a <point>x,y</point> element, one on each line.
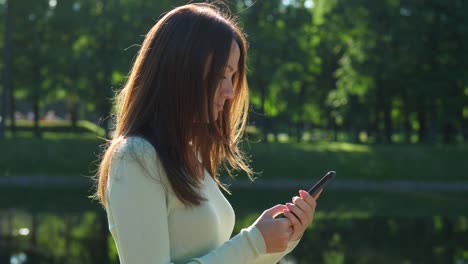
<point>167,99</point>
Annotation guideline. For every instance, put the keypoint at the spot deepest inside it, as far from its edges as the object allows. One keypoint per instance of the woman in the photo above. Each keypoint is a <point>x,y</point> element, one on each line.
<point>179,117</point>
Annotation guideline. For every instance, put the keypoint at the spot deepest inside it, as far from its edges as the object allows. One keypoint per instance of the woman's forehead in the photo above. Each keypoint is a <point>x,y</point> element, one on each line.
<point>234,56</point>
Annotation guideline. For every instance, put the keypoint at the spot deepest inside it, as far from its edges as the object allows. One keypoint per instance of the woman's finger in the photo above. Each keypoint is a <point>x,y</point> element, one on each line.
<point>299,213</point>
<point>306,208</point>
<point>296,224</point>
<point>308,198</point>
<point>302,204</point>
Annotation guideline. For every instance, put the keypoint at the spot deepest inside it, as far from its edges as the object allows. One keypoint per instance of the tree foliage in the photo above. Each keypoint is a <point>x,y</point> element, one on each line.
<point>391,70</point>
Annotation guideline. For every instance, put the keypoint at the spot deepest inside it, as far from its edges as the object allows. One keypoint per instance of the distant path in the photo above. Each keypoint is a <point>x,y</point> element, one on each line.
<point>420,186</point>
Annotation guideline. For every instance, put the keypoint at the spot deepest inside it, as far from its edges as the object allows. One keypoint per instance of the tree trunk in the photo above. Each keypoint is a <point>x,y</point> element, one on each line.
<point>422,120</point>
<point>34,254</point>
<point>74,120</point>
<point>299,126</point>
<point>406,123</point>
<point>355,135</point>
<point>4,249</point>
<point>290,128</point>
<point>264,118</point>
<point>106,49</point>
<point>37,132</point>
<point>432,123</point>
<point>6,69</point>
<point>448,133</point>
<point>73,111</point>
<point>12,112</point>
<point>334,127</point>
<point>388,126</point>
<point>103,240</point>
<point>376,125</point>
<point>36,97</point>
<point>464,125</point>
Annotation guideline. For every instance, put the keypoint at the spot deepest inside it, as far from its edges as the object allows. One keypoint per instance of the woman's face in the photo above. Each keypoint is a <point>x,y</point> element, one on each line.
<point>225,89</point>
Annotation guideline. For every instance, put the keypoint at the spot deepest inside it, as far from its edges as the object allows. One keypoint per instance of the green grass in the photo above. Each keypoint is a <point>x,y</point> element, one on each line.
<point>25,127</point>
<point>61,151</point>
<point>77,153</point>
<point>356,161</point>
<point>52,156</point>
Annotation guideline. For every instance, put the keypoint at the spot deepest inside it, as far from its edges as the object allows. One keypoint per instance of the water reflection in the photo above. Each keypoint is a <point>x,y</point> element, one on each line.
<point>34,237</point>
<point>386,240</point>
<point>55,238</point>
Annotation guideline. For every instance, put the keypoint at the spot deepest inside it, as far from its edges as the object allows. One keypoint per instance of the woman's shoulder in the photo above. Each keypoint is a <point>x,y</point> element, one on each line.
<point>134,146</point>
<point>138,154</point>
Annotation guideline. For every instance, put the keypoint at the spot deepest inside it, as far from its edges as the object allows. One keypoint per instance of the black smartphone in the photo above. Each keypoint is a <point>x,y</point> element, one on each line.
<point>322,183</point>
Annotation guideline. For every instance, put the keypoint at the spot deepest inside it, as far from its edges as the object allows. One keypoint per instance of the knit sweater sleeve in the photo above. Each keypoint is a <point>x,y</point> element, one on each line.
<point>275,257</point>
<point>137,204</point>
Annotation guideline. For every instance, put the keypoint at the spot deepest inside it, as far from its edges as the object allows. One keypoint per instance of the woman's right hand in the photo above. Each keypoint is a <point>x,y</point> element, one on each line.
<point>276,232</point>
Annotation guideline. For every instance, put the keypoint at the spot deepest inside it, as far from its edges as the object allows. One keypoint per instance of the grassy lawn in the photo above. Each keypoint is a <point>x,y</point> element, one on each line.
<point>76,154</point>
<point>356,161</point>
<point>51,156</point>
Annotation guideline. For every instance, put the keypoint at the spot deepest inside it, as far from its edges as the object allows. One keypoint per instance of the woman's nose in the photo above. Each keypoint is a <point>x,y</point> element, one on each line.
<point>228,91</point>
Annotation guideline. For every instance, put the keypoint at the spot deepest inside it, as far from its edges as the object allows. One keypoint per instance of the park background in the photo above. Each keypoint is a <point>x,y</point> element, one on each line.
<point>376,90</point>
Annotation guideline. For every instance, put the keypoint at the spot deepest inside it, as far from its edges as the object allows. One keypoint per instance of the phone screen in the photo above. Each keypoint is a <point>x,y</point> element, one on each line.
<point>322,183</point>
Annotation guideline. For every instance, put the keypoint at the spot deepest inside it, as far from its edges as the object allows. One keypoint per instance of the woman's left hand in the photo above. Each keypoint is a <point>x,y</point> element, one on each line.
<point>301,213</point>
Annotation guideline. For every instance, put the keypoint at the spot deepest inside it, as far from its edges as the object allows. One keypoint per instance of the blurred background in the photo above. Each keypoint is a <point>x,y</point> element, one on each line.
<point>376,90</point>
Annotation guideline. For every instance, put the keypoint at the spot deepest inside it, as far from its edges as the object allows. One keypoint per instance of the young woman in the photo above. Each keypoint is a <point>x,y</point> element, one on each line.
<point>179,117</point>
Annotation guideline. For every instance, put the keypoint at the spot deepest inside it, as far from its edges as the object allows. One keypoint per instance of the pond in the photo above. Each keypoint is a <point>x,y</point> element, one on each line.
<point>63,226</point>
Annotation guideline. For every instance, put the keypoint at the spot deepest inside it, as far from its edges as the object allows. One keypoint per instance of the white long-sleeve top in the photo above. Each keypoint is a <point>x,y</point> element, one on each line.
<point>149,224</point>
